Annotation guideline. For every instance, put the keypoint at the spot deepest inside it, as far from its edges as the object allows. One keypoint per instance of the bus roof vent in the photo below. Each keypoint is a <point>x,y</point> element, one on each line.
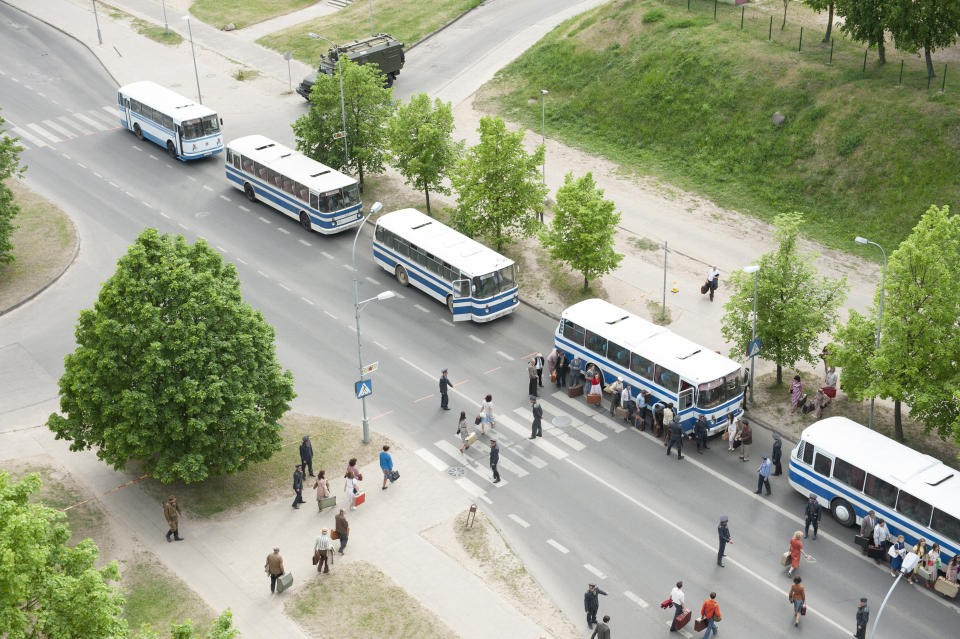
<point>320,173</point>
<point>420,226</point>
<point>689,354</point>
<point>618,320</point>
<point>286,155</point>
<point>265,146</point>
<point>936,480</point>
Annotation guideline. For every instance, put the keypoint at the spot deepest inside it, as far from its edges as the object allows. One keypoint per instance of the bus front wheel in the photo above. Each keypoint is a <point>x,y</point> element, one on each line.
<point>248,190</point>
<point>305,221</point>
<point>843,512</point>
<point>402,276</point>
<point>171,150</point>
<point>450,303</point>
<point>138,131</point>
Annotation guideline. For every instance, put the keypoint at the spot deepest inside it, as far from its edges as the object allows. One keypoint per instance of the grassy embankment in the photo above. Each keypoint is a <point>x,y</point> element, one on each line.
<point>678,96</point>
<point>243,13</point>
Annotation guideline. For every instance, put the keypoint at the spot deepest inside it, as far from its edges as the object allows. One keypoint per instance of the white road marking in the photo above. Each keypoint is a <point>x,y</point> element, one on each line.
<point>66,156</point>
<point>146,204</point>
<point>512,467</point>
<point>152,156</point>
<point>281,285</point>
<point>103,117</point>
<point>98,175</point>
<point>371,280</point>
<point>420,308</point>
<point>595,570</point>
<point>348,267</point>
<point>262,274</point>
<point>476,339</point>
<point>66,120</point>
<point>533,460</point>
<point>555,432</point>
<point>224,197</point>
<point>243,208</point>
<point>111,111</point>
<point>207,188</point>
<point>430,375</point>
<point>223,250</point>
<point>39,129</point>
<point>472,489</point>
<point>263,219</point>
<point>330,315</point>
<point>609,422</point>
<point>190,177</point>
<point>635,599</point>
<point>306,300</point>
<point>485,499</point>
<point>136,148</point>
<point>59,129</point>
<point>431,459</point>
<point>519,521</point>
<point>113,184</point>
<point>447,322</point>
<point>547,447</point>
<point>590,432</point>
<point>81,165</point>
<point>485,474</point>
<point>97,125</point>
<point>241,261</point>
<point>400,295</point>
<point>505,356</point>
<point>304,242</point>
<point>380,345</point>
<point>164,215</point>
<point>352,328</point>
<point>579,406</point>
<point>558,546</point>
<point>183,226</point>
<point>283,230</point>
<point>326,255</point>
<point>29,137</point>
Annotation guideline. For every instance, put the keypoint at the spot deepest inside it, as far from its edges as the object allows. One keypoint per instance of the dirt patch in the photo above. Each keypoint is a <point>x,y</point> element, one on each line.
<point>356,600</point>
<point>43,246</point>
<point>482,550</point>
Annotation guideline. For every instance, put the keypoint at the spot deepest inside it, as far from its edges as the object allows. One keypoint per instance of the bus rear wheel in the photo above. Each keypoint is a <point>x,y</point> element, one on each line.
<point>248,190</point>
<point>171,150</point>
<point>402,276</point>
<point>843,512</point>
<point>450,303</point>
<point>138,131</point>
<point>305,221</point>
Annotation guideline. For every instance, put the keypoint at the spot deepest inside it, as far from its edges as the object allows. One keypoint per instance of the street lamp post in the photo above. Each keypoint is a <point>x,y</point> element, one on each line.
<point>96,19</point>
<point>755,269</point>
<point>910,561</point>
<point>166,27</point>
<point>371,18</point>
<point>883,281</point>
<point>358,306</point>
<point>343,109</point>
<point>196,73</point>
<point>543,131</point>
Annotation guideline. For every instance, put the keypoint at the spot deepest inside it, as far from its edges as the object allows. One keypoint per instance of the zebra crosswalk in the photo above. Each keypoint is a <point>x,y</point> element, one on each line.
<point>569,427</point>
<point>62,128</point>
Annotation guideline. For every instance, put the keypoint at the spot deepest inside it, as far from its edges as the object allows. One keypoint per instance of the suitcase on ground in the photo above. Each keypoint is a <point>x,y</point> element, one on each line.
<point>785,559</point>
<point>326,502</point>
<point>594,399</point>
<point>923,573</point>
<point>470,440</point>
<point>284,581</point>
<point>863,542</point>
<point>359,499</point>
<point>683,619</point>
<point>876,552</point>
<point>394,476</point>
<point>699,624</point>
<point>575,391</point>
<point>620,412</point>
<point>945,587</point>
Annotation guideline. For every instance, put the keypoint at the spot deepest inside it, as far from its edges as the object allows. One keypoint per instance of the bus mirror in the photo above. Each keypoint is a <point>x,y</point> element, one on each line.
<point>221,121</point>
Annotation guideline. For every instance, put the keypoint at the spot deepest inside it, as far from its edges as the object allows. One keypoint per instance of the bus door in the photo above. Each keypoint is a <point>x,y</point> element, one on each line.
<point>125,103</point>
<point>179,139</point>
<point>685,397</point>
<point>462,310</point>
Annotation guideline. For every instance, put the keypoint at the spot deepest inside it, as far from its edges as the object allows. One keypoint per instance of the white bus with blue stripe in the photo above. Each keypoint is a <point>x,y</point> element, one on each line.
<point>853,470</point>
<point>187,130</point>
<point>475,282</point>
<point>695,379</point>
<point>320,198</point>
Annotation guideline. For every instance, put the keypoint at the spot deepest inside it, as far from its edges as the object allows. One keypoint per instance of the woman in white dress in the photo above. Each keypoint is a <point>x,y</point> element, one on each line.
<point>463,430</point>
<point>731,431</point>
<point>486,414</point>
<point>351,487</point>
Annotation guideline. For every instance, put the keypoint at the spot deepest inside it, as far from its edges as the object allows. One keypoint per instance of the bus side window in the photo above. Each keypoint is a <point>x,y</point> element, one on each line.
<point>666,378</point>
<point>914,508</point>
<point>807,453</point>
<point>945,524</point>
<point>849,474</point>
<point>597,343</point>
<point>641,366</point>
<point>822,464</point>
<point>573,332</point>
<point>236,160</point>
<point>248,166</point>
<point>314,204</point>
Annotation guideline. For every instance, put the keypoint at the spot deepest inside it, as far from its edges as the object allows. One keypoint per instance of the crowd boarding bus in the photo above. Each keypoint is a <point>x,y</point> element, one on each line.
<point>187,130</point>
<point>475,282</point>
<point>321,198</point>
<point>852,470</point>
<point>697,380</point>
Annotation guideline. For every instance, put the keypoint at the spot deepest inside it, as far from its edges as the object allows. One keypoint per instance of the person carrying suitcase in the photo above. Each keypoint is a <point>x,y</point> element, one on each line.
<point>676,600</point>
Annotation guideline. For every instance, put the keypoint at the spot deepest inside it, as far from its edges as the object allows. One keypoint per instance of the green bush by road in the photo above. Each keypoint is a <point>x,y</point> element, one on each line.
<point>690,101</point>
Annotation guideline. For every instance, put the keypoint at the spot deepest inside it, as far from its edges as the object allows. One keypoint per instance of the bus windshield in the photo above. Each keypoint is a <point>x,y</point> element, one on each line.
<point>211,124</point>
<point>192,129</point>
<point>720,390</point>
<point>341,199</point>
<point>493,283</point>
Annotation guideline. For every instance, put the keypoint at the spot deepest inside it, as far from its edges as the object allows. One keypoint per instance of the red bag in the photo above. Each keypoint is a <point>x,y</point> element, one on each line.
<point>683,619</point>
<point>830,391</point>
<point>359,499</point>
<point>666,603</point>
<point>803,610</point>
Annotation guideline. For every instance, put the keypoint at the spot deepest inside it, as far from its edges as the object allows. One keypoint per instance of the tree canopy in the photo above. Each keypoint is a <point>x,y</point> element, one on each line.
<point>926,25</point>
<point>173,368</point>
<point>582,230</point>
<point>499,186</point>
<point>9,167</point>
<point>421,143</point>
<point>866,21</point>
<point>794,306</point>
<point>823,5</point>
<point>367,107</point>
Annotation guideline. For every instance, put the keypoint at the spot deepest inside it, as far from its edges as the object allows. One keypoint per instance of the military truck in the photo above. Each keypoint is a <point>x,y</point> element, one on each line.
<point>382,49</point>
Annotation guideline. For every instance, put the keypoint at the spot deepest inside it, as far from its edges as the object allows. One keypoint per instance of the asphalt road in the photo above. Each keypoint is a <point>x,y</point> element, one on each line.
<point>591,502</point>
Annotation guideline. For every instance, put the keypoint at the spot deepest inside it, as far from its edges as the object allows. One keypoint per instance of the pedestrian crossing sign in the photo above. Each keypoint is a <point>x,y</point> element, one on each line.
<point>363,388</point>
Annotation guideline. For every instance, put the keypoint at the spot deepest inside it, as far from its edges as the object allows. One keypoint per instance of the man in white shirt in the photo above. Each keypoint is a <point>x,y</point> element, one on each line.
<point>676,598</point>
<point>713,277</point>
<point>625,396</point>
<point>881,534</point>
<point>323,546</point>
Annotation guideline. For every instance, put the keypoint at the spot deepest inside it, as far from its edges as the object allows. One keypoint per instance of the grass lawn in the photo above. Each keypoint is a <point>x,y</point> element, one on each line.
<point>356,600</point>
<point>156,596</point>
<point>690,101</point>
<point>334,443</point>
<point>42,246</point>
<point>156,32</point>
<point>243,13</point>
<point>407,21</point>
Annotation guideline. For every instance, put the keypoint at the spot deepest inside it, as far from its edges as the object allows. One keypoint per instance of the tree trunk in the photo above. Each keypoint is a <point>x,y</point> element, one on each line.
<point>784,25</point>
<point>426,191</point>
<point>826,38</point>
<point>779,374</point>
<point>586,283</point>
<point>897,421</point>
<point>929,60</point>
<point>881,51</point>
<point>360,173</point>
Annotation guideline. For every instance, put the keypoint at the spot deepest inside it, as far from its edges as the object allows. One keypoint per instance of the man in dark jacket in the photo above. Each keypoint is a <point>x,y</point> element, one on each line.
<point>532,377</point>
<point>676,435</point>
<point>602,631</point>
<point>563,369</point>
<point>444,385</point>
<point>700,432</point>
<point>306,454</point>
<point>591,603</point>
<point>777,451</point>
<point>494,459</point>
<point>297,487</point>
<point>863,616</point>
<point>724,533</point>
<point>537,416</point>
<point>812,516</point>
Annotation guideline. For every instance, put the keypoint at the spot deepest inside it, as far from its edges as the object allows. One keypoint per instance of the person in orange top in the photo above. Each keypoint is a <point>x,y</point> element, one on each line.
<point>798,597</point>
<point>796,549</point>
<point>710,612</point>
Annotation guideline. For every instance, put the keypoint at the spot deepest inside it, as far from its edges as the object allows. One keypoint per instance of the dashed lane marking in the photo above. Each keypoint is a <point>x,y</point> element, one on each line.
<point>505,356</point>
<point>162,214</point>
<point>223,250</point>
<point>330,315</point>
<point>283,286</point>
<point>558,546</point>
<point>348,267</point>
<point>476,339</point>
<point>182,225</point>
<point>447,322</point>
<point>381,345</point>
<point>283,230</point>
<point>243,208</point>
<point>262,274</point>
<point>263,219</point>
<point>326,255</point>
<point>241,261</point>
<point>635,599</point>
<point>224,197</point>
<point>307,301</point>
<point>421,309</point>
<point>146,204</point>
<point>304,242</point>
<point>596,571</point>
<point>519,521</point>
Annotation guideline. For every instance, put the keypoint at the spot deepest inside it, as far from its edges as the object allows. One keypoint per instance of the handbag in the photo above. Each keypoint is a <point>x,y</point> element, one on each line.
<point>359,499</point>
<point>785,558</point>
<point>334,535</point>
<point>477,421</point>
<point>316,556</point>
<point>553,376</point>
<point>893,552</point>
<point>725,436</point>
<point>717,617</point>
<point>803,610</point>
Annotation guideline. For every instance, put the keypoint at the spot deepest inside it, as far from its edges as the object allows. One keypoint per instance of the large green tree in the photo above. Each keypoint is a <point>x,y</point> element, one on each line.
<point>794,306</point>
<point>173,368</point>
<point>420,138</point>
<point>853,346</point>
<point>582,230</point>
<point>823,5</point>
<point>367,107</point>
<point>926,25</point>
<point>50,590</point>
<point>499,186</point>
<point>9,167</point>
<point>866,21</point>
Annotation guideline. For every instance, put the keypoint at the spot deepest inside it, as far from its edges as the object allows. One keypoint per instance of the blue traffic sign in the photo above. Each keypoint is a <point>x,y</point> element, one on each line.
<point>363,388</point>
<point>754,348</point>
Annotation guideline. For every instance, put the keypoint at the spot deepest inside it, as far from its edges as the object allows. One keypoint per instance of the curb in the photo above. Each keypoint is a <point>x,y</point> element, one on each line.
<point>443,27</point>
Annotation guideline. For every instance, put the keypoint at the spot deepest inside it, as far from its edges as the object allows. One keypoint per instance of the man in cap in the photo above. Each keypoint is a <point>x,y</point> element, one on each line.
<point>494,460</point>
<point>812,516</point>
<point>444,385</point>
<point>763,476</point>
<point>615,389</point>
<point>532,378</point>
<point>323,546</point>
<point>724,533</point>
<point>591,603</point>
<point>306,454</point>
<point>297,487</point>
<point>863,615</point>
<point>171,512</point>
<point>777,451</point>
<point>274,568</point>
<point>674,430</point>
<point>537,416</point>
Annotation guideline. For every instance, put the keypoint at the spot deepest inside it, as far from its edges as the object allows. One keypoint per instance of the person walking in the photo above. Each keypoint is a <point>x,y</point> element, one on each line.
<point>591,603</point>
<point>732,428</point>
<point>351,488</point>
<point>676,433</point>
<point>386,465</point>
<point>274,568</point>
<point>777,452</point>
<point>746,438</point>
<point>811,516</point>
<point>322,486</point>
<point>700,433</point>
<point>494,460</point>
<point>713,279</point>
<point>322,546</point>
<point>352,466</point>
<point>676,599</point>
<point>897,560</point>
<point>532,377</point>
<point>602,631</point>
<point>796,550</point>
<point>723,532</point>
<point>306,454</point>
<point>172,513</point>
<point>538,365</point>
<point>486,414</point>
<point>797,398</point>
<point>563,369</point>
<point>763,476</point>
<point>710,612</point>
<point>297,486</point>
<point>863,616</point>
<point>444,385</point>
<point>798,597</point>
<point>342,528</point>
<point>537,431</point>
<point>463,429</point>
